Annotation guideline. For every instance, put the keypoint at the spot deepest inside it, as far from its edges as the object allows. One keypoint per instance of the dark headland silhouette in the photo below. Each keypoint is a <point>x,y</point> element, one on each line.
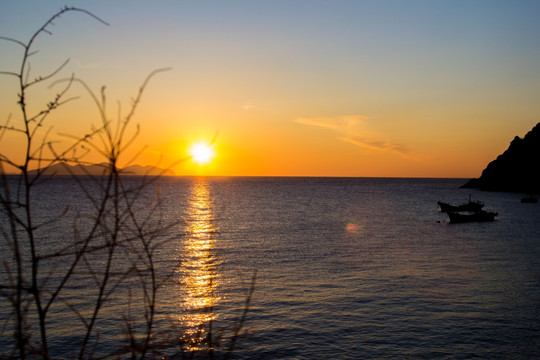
<point>517,169</point>
<point>100,169</point>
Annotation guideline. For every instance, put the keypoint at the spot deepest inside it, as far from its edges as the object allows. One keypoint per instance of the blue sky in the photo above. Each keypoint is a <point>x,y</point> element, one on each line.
<point>343,82</point>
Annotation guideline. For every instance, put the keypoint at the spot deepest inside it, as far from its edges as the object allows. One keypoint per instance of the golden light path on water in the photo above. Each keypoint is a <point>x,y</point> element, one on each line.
<point>199,277</point>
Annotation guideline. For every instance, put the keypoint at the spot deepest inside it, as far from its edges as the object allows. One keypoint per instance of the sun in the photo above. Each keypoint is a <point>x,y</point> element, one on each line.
<point>202,153</point>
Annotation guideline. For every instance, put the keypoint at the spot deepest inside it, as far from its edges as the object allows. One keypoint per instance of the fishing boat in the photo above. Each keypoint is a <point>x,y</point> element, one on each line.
<point>480,215</point>
<point>530,199</point>
<point>469,206</point>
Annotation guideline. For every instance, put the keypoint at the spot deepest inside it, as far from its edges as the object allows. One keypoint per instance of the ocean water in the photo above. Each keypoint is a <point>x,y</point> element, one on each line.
<point>346,268</point>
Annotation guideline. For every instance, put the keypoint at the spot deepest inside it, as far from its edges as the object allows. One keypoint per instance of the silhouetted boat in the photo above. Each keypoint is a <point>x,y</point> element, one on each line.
<point>470,206</point>
<point>530,199</point>
<point>481,215</point>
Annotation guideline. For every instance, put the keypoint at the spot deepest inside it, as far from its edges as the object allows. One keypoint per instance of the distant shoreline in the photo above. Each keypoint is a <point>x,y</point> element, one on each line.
<point>265,176</point>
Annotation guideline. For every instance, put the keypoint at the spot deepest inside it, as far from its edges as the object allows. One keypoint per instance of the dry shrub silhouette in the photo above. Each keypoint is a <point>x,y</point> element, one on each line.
<point>108,262</point>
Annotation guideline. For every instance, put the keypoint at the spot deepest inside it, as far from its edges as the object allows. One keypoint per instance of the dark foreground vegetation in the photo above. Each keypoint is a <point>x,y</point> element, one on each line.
<point>113,243</point>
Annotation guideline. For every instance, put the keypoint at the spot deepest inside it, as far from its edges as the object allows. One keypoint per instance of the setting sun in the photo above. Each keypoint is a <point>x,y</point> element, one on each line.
<point>201,153</point>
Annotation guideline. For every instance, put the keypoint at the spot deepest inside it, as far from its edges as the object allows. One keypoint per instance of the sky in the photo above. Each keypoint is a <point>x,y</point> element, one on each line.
<point>383,88</point>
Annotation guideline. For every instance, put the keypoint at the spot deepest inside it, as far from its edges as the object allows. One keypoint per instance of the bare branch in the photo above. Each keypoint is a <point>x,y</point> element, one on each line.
<point>13,40</point>
<point>119,220</point>
<point>47,77</point>
<point>9,73</point>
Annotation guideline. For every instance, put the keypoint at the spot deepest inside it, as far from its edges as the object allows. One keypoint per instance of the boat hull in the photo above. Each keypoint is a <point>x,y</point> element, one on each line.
<point>458,217</point>
<point>470,206</point>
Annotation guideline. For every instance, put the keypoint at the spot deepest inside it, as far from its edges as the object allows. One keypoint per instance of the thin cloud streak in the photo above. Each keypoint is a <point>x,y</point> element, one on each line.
<point>92,66</point>
<point>380,145</point>
<point>341,123</point>
<point>354,130</point>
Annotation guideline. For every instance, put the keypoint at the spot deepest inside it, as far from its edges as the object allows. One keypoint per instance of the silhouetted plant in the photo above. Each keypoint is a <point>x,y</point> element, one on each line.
<point>114,242</point>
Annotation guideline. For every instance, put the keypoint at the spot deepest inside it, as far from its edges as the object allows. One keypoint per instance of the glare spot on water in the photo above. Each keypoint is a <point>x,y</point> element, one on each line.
<point>355,229</point>
<point>199,278</point>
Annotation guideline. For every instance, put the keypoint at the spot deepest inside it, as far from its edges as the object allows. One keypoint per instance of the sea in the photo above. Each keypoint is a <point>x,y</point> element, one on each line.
<point>305,268</point>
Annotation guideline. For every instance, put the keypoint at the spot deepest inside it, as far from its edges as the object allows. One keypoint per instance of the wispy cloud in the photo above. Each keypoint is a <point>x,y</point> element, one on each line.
<point>256,106</point>
<point>355,129</point>
<point>95,65</point>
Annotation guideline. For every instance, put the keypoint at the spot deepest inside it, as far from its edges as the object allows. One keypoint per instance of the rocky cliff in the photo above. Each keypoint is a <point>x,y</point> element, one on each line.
<point>517,169</point>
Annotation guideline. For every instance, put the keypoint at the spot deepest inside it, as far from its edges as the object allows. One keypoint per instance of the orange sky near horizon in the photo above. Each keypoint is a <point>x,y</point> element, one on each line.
<point>304,88</point>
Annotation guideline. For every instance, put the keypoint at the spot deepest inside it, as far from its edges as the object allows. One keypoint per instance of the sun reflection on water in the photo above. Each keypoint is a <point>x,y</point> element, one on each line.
<point>199,277</point>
